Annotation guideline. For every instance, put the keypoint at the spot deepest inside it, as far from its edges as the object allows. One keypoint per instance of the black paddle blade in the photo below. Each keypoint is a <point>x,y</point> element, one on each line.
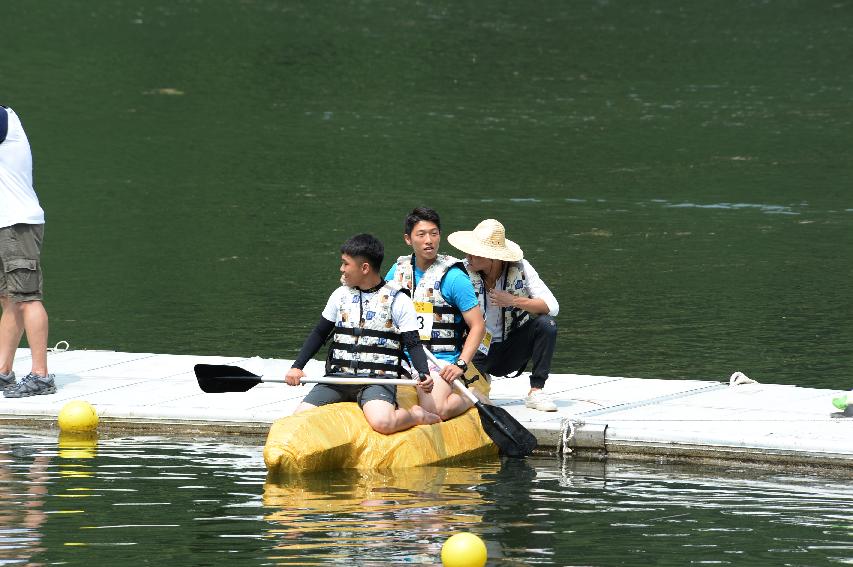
<point>219,378</point>
<point>510,436</point>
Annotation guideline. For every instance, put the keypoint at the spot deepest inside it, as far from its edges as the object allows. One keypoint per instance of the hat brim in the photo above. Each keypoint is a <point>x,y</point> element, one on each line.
<point>467,241</point>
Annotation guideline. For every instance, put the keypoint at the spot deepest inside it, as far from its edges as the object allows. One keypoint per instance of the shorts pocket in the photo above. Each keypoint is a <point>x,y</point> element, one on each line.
<point>22,275</point>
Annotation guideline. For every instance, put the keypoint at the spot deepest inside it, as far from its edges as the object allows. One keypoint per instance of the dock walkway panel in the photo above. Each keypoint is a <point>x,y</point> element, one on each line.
<point>599,414</point>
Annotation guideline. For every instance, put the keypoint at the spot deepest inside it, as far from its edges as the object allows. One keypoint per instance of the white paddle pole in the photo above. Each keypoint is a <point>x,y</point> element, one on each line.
<point>460,385</point>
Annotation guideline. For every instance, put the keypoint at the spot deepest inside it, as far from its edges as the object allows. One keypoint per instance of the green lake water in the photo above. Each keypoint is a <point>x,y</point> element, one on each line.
<point>678,173</point>
<point>158,501</point>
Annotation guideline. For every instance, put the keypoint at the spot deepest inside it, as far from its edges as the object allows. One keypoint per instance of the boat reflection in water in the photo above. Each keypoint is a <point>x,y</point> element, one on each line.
<point>377,516</point>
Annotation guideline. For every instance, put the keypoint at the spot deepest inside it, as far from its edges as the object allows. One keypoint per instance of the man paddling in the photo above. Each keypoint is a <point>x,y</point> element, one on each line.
<point>519,308</point>
<point>371,322</point>
<point>450,320</point>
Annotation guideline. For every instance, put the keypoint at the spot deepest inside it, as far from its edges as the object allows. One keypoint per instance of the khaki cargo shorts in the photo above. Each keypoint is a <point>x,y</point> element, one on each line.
<point>20,262</point>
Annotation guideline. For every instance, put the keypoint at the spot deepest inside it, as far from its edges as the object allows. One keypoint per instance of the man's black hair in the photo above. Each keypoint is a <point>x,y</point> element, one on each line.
<point>421,214</point>
<point>367,247</point>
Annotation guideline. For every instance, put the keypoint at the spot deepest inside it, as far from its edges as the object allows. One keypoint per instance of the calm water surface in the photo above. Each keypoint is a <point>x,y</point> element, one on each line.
<point>152,500</point>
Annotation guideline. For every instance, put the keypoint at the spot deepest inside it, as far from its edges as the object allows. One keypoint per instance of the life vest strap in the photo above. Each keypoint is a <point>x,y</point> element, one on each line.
<point>360,332</point>
<point>341,363</point>
<point>393,352</point>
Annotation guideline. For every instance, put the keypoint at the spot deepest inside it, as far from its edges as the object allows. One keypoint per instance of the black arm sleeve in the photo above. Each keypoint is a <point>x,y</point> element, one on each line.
<point>315,340</point>
<point>412,342</point>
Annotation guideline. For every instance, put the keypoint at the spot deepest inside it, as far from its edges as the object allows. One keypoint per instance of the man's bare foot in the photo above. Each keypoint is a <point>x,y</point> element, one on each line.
<point>423,417</point>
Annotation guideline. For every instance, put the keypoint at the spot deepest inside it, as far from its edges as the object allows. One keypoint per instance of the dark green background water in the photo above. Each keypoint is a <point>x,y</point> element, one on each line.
<point>678,172</point>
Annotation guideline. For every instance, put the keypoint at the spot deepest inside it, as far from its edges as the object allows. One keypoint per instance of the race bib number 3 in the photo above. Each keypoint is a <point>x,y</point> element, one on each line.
<point>424,314</point>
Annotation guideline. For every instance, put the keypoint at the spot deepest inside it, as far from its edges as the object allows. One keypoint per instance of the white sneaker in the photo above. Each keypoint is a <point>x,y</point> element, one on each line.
<point>539,401</point>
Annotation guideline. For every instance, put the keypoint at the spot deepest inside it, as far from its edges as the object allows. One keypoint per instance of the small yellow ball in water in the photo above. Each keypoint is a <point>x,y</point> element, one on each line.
<point>463,550</point>
<point>78,415</point>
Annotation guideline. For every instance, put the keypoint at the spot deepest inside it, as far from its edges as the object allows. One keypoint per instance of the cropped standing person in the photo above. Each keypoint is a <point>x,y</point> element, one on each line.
<point>21,234</point>
<point>518,306</point>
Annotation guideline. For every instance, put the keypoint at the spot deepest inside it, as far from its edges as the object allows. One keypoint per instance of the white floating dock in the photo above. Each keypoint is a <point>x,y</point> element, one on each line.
<point>619,417</point>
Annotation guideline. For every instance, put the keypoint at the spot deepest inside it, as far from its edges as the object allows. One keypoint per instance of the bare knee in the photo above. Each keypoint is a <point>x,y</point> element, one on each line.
<point>303,406</point>
<point>451,407</point>
<point>34,307</point>
<point>381,424</point>
<point>445,412</point>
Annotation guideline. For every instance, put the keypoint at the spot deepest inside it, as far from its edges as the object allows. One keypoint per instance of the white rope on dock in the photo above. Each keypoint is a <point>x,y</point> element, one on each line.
<point>567,433</point>
<point>59,348</point>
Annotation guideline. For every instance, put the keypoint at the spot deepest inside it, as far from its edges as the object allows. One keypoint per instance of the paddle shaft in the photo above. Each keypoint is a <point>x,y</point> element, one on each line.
<point>460,385</point>
<point>523,442</point>
<point>347,380</point>
<point>220,378</point>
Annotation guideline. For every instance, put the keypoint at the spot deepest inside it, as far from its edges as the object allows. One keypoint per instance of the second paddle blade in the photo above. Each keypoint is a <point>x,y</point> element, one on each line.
<point>512,438</point>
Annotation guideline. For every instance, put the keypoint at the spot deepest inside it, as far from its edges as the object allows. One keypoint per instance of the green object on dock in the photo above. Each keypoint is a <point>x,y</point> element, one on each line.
<point>842,401</point>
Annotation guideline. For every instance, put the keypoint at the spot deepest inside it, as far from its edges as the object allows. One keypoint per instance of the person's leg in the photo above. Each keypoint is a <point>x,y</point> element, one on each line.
<point>386,419</point>
<point>443,400</point>
<point>507,356</point>
<point>534,340</point>
<point>379,404</point>
<point>324,394</point>
<point>544,339</point>
<point>303,406</point>
<point>35,324</point>
<point>11,331</point>
<point>21,290</point>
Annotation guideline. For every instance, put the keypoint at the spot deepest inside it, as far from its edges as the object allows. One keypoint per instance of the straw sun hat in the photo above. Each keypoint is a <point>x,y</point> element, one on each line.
<point>488,240</point>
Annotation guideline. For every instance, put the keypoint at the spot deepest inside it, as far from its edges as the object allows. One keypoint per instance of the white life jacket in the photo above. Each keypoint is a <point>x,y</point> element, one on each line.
<point>439,329</point>
<point>515,282</point>
<point>366,343</point>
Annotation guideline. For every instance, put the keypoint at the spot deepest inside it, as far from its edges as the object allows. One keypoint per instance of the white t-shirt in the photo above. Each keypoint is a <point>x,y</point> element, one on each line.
<point>402,309</point>
<point>18,201</point>
<point>537,289</point>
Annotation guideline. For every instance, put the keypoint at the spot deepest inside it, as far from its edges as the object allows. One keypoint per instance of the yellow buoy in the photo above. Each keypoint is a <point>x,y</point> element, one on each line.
<point>463,550</point>
<point>78,415</point>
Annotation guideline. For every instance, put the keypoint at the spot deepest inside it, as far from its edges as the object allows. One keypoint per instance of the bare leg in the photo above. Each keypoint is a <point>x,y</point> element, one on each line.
<point>35,321</point>
<point>386,419</point>
<point>11,331</point>
<point>303,406</point>
<point>447,402</point>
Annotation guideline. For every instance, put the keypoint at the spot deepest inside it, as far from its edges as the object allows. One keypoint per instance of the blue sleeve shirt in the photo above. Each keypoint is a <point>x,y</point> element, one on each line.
<point>457,290</point>
<point>390,275</point>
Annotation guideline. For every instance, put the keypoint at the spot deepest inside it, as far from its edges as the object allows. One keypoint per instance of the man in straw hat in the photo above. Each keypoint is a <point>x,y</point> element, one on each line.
<point>518,306</point>
<point>450,321</point>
